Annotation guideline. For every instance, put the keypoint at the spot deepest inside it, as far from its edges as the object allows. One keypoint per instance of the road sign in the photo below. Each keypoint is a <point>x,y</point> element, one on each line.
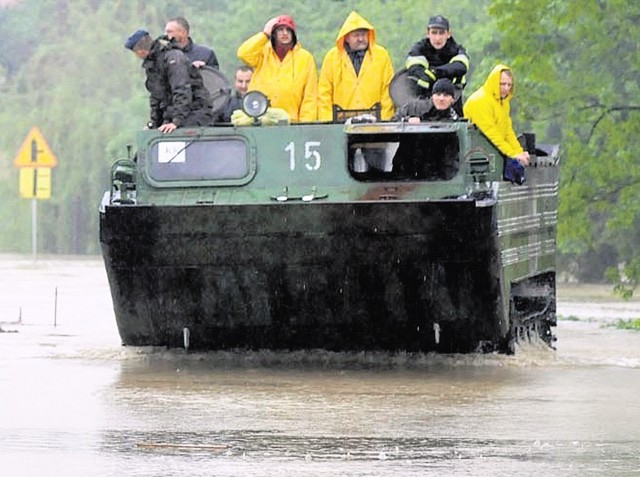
<point>35,152</point>
<point>35,183</point>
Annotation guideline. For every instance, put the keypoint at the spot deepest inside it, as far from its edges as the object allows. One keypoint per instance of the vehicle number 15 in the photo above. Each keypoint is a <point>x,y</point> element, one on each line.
<point>312,159</point>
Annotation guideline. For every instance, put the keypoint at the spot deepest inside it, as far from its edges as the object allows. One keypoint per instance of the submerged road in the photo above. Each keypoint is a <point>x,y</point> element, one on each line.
<point>73,402</point>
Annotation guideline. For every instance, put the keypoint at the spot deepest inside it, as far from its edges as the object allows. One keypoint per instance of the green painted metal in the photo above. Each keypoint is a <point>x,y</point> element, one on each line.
<point>294,182</point>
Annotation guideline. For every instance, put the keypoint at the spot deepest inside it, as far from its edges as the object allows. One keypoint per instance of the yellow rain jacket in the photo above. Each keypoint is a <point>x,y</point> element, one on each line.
<point>492,115</point>
<point>290,84</point>
<point>339,83</point>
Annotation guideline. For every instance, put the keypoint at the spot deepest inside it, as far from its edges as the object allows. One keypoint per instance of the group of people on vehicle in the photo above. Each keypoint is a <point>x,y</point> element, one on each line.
<point>355,77</point>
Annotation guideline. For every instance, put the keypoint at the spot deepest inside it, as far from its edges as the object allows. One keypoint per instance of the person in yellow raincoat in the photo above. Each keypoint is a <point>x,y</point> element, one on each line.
<point>356,72</point>
<point>489,108</point>
<point>283,70</point>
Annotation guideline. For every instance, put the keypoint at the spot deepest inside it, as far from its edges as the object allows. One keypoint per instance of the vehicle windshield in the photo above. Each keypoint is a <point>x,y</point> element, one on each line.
<point>198,160</point>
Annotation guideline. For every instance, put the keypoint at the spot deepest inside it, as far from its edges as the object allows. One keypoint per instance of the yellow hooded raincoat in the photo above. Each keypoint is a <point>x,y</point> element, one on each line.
<point>290,84</point>
<point>339,83</point>
<point>492,114</point>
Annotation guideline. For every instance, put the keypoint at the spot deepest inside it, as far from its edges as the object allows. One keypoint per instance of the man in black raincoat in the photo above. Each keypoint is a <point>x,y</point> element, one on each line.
<point>177,95</point>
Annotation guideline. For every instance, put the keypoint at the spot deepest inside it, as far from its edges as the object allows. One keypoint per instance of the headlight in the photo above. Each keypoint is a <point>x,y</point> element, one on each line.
<point>255,104</point>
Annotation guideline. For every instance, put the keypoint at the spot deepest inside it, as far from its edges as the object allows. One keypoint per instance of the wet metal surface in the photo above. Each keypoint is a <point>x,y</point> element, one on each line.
<point>73,402</point>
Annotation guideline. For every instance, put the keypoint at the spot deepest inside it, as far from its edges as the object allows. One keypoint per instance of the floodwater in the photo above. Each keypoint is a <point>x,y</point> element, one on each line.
<point>73,402</point>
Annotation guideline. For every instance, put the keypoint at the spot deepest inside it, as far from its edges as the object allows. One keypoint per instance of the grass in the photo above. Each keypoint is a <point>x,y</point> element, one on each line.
<point>593,292</point>
<point>628,324</point>
<point>568,318</point>
<point>633,324</point>
<point>596,293</point>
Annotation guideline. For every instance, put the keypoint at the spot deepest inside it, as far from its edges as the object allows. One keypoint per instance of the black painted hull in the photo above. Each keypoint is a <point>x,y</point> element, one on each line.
<point>343,277</point>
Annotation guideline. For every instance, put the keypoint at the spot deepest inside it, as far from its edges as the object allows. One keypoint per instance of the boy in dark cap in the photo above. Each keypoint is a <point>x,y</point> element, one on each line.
<point>439,156</point>
<point>177,95</point>
<point>439,107</point>
<point>438,56</point>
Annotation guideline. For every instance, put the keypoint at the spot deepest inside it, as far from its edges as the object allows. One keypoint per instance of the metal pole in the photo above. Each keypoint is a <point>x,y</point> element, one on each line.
<point>55,309</point>
<point>34,227</point>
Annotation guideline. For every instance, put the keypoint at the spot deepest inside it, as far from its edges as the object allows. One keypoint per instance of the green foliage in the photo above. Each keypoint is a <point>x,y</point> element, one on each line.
<point>628,324</point>
<point>568,318</point>
<point>578,71</point>
<point>68,73</point>
<point>576,65</point>
<point>626,278</point>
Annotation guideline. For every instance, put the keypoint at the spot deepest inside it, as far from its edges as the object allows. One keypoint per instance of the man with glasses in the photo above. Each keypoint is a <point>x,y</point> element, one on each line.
<point>355,73</point>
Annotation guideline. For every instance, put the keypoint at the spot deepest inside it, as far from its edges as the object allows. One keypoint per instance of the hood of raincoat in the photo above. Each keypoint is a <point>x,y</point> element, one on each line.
<point>492,83</point>
<point>354,22</point>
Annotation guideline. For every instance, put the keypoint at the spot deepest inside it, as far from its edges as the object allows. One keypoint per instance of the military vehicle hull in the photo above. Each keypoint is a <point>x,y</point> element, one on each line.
<point>356,261</point>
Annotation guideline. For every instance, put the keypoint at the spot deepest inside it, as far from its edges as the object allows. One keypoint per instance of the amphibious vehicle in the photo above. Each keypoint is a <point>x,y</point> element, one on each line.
<point>344,236</point>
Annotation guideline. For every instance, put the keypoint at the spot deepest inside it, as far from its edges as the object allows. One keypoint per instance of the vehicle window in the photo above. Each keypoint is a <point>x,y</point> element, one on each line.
<point>220,159</point>
<point>406,156</point>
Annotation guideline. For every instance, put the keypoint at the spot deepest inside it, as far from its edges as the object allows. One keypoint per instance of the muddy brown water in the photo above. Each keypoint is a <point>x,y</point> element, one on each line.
<point>73,402</point>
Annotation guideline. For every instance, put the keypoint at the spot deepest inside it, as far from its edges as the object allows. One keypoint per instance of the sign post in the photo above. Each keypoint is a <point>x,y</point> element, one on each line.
<point>35,161</point>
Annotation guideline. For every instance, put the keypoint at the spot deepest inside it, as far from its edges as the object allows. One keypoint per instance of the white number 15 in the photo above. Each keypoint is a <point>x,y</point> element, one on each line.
<point>312,159</point>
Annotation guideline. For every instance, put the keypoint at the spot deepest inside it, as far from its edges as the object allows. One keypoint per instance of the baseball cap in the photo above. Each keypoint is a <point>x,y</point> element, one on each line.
<point>438,22</point>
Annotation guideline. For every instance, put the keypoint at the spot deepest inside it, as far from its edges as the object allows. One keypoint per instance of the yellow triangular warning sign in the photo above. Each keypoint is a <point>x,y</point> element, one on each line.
<point>35,152</point>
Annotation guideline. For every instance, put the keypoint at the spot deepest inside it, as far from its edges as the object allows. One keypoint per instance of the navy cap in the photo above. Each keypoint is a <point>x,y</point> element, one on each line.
<point>438,22</point>
<point>135,38</point>
<point>443,85</point>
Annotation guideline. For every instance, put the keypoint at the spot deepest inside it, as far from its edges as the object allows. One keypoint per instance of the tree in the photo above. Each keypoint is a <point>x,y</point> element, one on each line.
<point>578,68</point>
<point>68,73</point>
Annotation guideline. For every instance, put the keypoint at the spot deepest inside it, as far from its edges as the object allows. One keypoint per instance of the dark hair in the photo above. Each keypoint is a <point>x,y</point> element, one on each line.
<point>182,21</point>
<point>284,21</point>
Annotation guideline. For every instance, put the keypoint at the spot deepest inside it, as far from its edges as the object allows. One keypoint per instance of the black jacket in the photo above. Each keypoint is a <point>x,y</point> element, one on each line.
<point>450,61</point>
<point>425,110</point>
<point>197,52</point>
<point>234,102</point>
<point>176,91</point>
